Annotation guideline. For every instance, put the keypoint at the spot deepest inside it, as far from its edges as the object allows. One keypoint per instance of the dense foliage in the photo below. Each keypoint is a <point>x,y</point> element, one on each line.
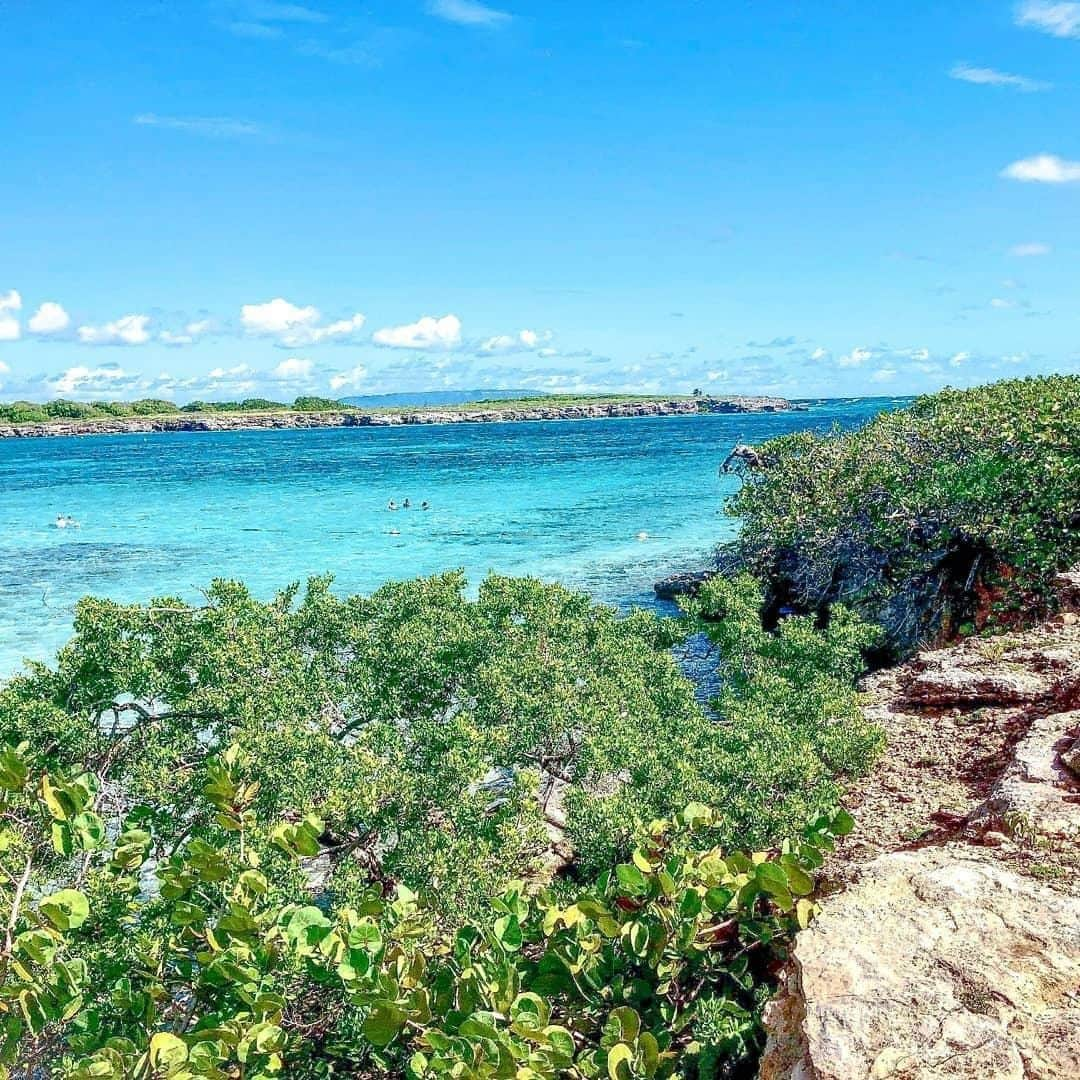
<point>259,833</point>
<point>956,510</point>
<point>195,968</point>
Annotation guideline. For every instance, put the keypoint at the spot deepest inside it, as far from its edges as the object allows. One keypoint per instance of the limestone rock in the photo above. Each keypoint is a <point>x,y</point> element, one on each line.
<point>945,682</point>
<point>937,963</point>
<point>1070,758</point>
<point>1036,793</point>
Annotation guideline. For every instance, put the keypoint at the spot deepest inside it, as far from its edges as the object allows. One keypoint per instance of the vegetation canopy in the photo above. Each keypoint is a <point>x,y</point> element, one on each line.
<point>243,837</point>
<point>956,511</point>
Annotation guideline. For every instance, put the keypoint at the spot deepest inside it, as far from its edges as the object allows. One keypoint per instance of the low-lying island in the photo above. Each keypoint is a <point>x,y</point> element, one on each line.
<point>480,413</point>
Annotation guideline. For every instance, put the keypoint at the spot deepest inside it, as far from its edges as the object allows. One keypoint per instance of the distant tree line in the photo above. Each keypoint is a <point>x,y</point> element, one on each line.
<point>28,412</point>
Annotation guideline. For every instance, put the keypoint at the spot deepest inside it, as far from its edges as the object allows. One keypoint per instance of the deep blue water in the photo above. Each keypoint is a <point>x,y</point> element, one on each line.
<point>605,505</point>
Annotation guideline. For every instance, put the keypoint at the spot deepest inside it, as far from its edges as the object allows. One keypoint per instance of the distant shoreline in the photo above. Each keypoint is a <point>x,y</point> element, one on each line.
<point>502,412</point>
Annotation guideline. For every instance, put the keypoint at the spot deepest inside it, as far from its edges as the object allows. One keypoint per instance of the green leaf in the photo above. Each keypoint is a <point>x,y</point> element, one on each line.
<point>631,878</point>
<point>718,899</point>
<point>690,903</point>
<point>620,1060</point>
<point>307,926</point>
<point>89,829</point>
<point>842,823</point>
<point>508,932</point>
<point>636,935</point>
<point>562,1044</point>
<point>185,914</point>
<point>628,1023</point>
<point>13,770</point>
<point>383,1024</point>
<point>168,1054</point>
<point>799,882</point>
<point>67,909</point>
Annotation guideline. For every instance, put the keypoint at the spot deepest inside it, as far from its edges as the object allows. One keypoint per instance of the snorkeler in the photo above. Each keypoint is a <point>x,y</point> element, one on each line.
<point>391,505</point>
<point>407,504</point>
<point>425,505</point>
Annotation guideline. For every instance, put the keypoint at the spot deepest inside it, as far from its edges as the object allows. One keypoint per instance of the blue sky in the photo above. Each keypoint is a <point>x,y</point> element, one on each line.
<point>236,197</point>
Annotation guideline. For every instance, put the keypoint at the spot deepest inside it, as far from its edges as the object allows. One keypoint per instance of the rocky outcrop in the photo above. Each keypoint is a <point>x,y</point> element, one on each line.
<point>937,963</point>
<point>949,940</point>
<point>683,583</point>
<point>355,418</point>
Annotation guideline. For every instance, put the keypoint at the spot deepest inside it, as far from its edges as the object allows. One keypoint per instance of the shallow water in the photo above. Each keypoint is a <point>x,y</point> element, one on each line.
<point>605,505</point>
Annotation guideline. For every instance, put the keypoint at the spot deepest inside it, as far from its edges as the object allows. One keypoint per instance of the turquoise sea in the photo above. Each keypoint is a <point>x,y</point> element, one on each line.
<point>608,506</point>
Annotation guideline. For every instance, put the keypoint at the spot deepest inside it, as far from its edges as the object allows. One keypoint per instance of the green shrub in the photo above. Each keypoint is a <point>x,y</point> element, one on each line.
<point>153,407</point>
<point>317,404</point>
<point>23,412</point>
<point>112,408</point>
<point>179,955</point>
<point>69,410</point>
<point>319,893</point>
<point>959,508</point>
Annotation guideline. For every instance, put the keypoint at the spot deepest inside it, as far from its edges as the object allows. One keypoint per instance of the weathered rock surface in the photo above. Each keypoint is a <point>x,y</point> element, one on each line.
<point>355,418</point>
<point>1037,793</point>
<point>951,944</point>
<point>937,963</point>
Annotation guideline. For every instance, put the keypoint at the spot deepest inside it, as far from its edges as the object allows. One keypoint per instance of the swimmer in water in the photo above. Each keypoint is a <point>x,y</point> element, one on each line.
<point>391,505</point>
<point>407,504</point>
<point>425,505</point>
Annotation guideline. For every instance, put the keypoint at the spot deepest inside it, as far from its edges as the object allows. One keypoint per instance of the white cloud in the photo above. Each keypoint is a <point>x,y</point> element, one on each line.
<point>1027,251</point>
<point>1059,19</point>
<point>426,333</point>
<point>1001,304</point>
<point>190,334</point>
<point>523,341</point>
<point>468,13</point>
<point>240,371</point>
<point>78,380</point>
<point>296,326</point>
<point>214,127</point>
<point>348,379</point>
<point>991,77</point>
<point>1043,169</point>
<point>127,330</point>
<point>4,369</point>
<point>293,370</point>
<point>343,328</point>
<point>883,375</point>
<point>818,354</point>
<point>276,316</point>
<point>959,358</point>
<point>50,318</point>
<point>10,329</point>
<point>856,358</point>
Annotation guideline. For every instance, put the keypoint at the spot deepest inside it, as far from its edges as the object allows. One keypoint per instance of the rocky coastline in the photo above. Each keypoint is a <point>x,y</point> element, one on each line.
<point>948,944</point>
<point>274,421</point>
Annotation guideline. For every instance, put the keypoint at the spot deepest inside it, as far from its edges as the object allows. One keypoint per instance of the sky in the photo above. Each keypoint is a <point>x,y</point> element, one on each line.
<point>231,198</point>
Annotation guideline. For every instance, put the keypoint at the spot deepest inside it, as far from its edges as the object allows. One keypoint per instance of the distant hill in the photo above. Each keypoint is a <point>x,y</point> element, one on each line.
<point>437,397</point>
